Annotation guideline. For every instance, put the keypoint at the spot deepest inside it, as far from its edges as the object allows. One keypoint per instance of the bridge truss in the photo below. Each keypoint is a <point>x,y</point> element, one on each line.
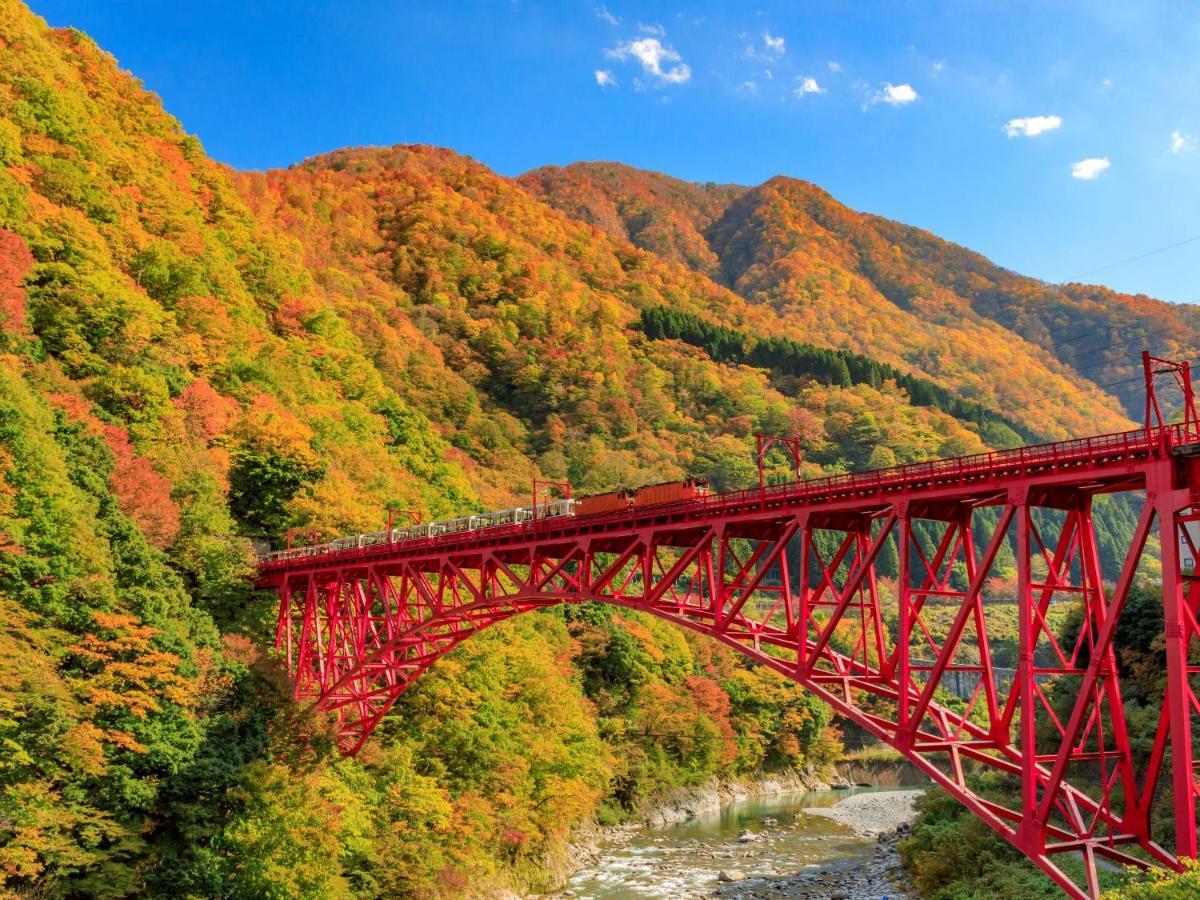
<point>787,574</point>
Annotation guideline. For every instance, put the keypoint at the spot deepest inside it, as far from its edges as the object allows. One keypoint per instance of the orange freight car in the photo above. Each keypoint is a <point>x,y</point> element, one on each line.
<point>670,492</point>
<point>602,503</point>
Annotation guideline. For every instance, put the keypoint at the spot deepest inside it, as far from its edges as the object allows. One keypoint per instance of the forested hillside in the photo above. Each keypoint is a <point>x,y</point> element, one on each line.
<point>191,357</point>
<point>861,282</point>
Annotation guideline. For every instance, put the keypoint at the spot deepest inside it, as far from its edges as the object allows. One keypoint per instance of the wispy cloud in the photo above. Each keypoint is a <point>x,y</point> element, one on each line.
<point>657,59</point>
<point>1032,126</point>
<point>774,45</point>
<point>1182,143</point>
<point>604,15</point>
<point>605,78</point>
<point>1090,169</point>
<point>895,94</point>
<point>834,67</point>
<point>653,28</point>
<point>808,86</point>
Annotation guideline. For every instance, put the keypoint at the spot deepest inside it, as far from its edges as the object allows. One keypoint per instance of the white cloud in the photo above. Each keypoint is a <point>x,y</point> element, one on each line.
<point>808,86</point>
<point>939,66</point>
<point>1107,83</point>
<point>834,67</point>
<point>605,78</point>
<point>774,45</point>
<point>1032,126</point>
<point>895,94</point>
<point>1182,143</point>
<point>1090,169</point>
<point>652,29</point>
<point>749,88</point>
<point>663,62</point>
<point>604,15</point>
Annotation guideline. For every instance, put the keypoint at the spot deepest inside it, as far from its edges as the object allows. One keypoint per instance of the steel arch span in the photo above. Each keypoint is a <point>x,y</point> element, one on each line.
<point>787,574</point>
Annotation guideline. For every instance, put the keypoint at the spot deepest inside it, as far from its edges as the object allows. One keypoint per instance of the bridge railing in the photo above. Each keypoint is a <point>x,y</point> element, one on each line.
<point>962,468</point>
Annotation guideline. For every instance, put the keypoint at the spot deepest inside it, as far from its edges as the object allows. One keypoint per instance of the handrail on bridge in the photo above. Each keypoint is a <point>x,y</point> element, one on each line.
<point>1156,440</point>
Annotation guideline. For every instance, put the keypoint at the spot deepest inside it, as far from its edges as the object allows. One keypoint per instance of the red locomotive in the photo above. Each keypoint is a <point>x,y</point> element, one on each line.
<point>603,503</point>
<point>647,495</point>
<point>670,492</point>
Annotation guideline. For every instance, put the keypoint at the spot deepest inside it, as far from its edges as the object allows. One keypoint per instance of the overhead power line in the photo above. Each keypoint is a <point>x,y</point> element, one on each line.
<point>1153,252</point>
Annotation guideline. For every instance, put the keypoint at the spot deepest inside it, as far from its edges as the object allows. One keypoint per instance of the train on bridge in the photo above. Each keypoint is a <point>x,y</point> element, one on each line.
<point>594,505</point>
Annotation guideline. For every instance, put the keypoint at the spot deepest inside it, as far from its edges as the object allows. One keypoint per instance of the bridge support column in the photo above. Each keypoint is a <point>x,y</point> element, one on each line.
<point>1030,835</point>
<point>906,728</point>
<point>1178,629</point>
<point>804,602</point>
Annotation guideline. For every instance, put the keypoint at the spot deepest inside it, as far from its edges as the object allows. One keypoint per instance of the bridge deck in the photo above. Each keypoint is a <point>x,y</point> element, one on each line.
<point>1109,459</point>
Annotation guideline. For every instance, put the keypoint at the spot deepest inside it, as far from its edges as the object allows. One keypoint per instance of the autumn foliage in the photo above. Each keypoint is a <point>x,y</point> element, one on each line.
<point>15,263</point>
<point>194,357</point>
<point>144,494</point>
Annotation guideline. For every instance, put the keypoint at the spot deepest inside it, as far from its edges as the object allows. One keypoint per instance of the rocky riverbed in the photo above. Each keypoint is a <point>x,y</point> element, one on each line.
<point>794,844</point>
<point>884,816</point>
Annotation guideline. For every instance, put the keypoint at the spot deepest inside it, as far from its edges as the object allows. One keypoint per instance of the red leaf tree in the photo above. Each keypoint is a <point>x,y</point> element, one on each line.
<point>143,494</point>
<point>15,263</point>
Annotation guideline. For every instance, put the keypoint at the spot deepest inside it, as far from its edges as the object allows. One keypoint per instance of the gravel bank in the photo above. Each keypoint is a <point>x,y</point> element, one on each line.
<point>873,814</point>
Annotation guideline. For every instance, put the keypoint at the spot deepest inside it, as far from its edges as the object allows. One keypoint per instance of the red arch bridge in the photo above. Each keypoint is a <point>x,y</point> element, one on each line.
<point>786,574</point>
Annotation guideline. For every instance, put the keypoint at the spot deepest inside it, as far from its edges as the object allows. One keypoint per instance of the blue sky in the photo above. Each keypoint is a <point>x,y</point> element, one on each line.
<point>1058,138</point>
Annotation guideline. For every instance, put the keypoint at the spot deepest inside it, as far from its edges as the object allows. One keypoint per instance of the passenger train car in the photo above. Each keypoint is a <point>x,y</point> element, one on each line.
<point>598,504</point>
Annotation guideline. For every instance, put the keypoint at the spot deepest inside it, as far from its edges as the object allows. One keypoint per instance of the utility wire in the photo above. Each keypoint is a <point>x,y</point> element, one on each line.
<point>1106,362</point>
<point>1107,331</point>
<point>1014,407</point>
<point>1139,256</point>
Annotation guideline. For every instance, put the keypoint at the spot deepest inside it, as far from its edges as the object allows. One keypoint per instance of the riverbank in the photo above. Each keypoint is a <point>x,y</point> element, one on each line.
<point>684,804</point>
<point>675,807</point>
<point>886,816</point>
<point>778,845</point>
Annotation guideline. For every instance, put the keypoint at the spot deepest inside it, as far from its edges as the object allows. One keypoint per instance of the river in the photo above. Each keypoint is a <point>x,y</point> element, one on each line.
<point>757,837</point>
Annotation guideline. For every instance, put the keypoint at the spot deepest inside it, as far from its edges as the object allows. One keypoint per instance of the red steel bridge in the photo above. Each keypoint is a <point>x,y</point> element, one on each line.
<point>786,574</point>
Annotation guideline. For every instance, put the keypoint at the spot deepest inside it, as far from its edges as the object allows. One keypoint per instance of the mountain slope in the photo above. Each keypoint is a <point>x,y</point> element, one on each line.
<point>843,278</point>
<point>656,212</point>
<point>190,357</point>
<point>1096,331</point>
<point>538,315</point>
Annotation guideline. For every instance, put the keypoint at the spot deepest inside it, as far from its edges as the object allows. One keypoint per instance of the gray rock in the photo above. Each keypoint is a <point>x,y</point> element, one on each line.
<point>731,875</point>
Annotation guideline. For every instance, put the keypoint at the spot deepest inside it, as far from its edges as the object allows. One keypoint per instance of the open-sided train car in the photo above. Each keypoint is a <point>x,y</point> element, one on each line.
<point>612,501</point>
